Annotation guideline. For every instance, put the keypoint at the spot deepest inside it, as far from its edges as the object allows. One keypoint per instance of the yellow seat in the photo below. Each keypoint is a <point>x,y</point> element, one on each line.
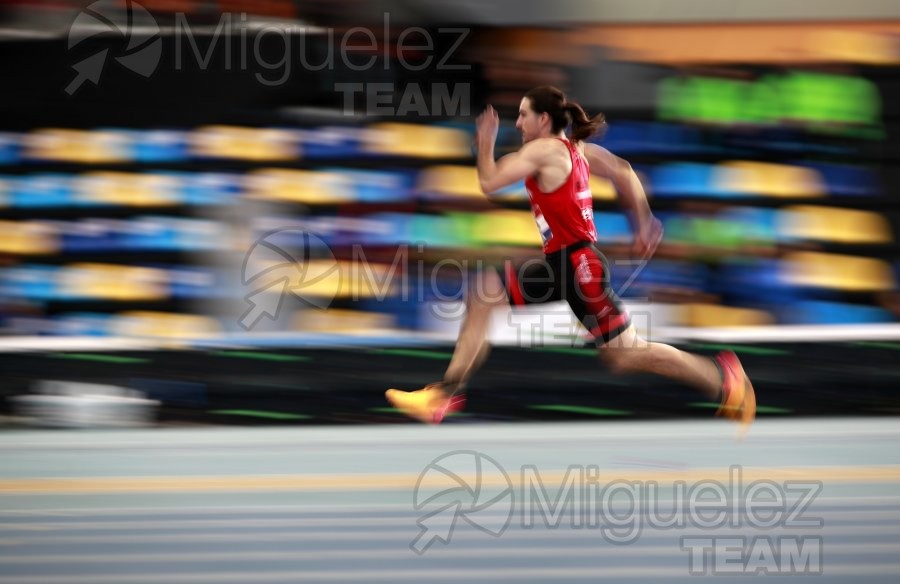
<point>506,228</point>
<point>715,315</point>
<point>113,282</point>
<point>767,179</point>
<point>83,146</point>
<point>417,141</point>
<point>28,237</point>
<point>163,325</point>
<point>127,189</point>
<point>602,189</point>
<point>341,321</point>
<point>245,143</point>
<point>835,271</point>
<point>451,180</point>
<point>299,186</point>
<point>837,225</point>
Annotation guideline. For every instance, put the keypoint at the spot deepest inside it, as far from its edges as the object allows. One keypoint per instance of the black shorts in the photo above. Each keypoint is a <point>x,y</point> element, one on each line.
<point>578,274</point>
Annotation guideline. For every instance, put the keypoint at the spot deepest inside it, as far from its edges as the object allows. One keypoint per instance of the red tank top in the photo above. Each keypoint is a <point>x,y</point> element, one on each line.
<point>566,215</point>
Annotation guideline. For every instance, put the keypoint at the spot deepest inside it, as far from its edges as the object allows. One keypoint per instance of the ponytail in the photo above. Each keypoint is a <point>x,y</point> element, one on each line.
<point>584,127</point>
<point>563,113</point>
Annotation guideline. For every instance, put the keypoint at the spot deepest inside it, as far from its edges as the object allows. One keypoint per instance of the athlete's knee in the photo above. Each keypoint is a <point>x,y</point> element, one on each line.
<point>487,289</point>
<point>623,354</point>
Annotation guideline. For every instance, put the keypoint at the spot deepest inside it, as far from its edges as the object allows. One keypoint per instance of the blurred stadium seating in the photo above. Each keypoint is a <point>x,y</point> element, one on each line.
<point>55,220</point>
<point>770,162</point>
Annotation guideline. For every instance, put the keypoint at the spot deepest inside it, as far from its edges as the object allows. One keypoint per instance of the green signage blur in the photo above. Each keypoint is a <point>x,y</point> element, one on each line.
<point>824,103</point>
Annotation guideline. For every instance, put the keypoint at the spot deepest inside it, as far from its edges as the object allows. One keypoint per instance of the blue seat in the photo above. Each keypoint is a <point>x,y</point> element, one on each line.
<point>150,233</point>
<point>679,179</point>
<point>377,186</point>
<point>83,324</point>
<point>846,180</point>
<point>756,224</point>
<point>387,229</point>
<point>823,312</point>
<point>160,146</point>
<point>332,142</point>
<point>34,282</point>
<point>612,227</point>
<point>208,188</point>
<point>10,148</point>
<point>43,190</point>
<point>633,279</point>
<point>89,235</point>
<point>197,282</point>
<point>755,282</point>
<point>625,138</point>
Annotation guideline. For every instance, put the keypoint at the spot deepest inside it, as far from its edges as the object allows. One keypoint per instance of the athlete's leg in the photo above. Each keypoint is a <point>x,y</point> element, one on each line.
<point>603,313</point>
<point>630,353</point>
<point>721,379</point>
<point>472,345</point>
<point>435,400</point>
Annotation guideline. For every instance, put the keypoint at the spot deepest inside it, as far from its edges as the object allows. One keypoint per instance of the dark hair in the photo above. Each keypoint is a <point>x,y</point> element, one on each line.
<point>550,100</point>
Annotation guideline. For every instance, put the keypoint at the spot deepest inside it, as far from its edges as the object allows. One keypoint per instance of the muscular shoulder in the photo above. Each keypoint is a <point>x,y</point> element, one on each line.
<point>545,151</point>
<point>603,162</point>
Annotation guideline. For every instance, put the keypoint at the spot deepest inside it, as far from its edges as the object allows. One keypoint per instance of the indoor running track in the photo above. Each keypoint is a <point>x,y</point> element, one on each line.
<point>495,503</point>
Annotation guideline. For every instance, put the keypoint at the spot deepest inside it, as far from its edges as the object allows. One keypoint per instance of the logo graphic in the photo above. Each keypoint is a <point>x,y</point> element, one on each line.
<point>283,261</point>
<point>463,484</point>
<point>141,54</point>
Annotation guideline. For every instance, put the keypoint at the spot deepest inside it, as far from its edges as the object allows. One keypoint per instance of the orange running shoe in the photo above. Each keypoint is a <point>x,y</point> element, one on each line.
<point>738,397</point>
<point>429,405</point>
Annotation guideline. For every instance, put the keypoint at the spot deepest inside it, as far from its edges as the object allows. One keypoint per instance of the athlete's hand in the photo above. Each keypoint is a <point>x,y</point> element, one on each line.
<point>647,239</point>
<point>486,126</point>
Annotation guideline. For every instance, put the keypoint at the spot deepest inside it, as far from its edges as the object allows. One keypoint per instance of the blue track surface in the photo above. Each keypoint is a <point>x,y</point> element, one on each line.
<point>340,504</point>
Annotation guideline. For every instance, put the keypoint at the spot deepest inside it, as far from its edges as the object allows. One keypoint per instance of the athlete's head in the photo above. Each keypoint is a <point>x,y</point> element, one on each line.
<point>545,112</point>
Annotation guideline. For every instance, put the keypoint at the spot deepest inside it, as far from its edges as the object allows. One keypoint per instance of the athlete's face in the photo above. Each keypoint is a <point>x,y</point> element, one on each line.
<point>529,122</point>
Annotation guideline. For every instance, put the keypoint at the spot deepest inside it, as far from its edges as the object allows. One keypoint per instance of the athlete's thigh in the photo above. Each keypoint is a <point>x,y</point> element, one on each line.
<point>591,296</point>
<point>534,281</point>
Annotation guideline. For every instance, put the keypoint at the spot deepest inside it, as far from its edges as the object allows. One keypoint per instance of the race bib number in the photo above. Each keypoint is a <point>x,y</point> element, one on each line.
<point>543,226</point>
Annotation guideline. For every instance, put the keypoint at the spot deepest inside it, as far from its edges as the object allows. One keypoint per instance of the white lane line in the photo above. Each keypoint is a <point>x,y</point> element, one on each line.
<point>494,434</point>
<point>408,531</point>
<point>605,551</point>
<point>229,522</point>
<point>831,500</point>
<point>661,514</point>
<point>549,574</point>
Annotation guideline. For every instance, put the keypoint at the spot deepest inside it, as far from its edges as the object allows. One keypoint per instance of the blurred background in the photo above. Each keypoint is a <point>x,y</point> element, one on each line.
<point>147,148</point>
<point>265,213</point>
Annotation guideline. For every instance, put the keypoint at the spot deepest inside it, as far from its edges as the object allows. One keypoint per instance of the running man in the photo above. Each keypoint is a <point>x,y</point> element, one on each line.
<point>556,170</point>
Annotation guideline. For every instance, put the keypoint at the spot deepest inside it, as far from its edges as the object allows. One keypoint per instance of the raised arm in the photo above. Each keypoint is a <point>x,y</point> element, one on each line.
<point>647,229</point>
<point>494,175</point>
